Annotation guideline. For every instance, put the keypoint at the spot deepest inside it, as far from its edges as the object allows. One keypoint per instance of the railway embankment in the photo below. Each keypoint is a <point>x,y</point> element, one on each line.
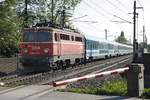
<point>7,65</point>
<point>132,84</point>
<point>115,85</point>
<point>109,85</point>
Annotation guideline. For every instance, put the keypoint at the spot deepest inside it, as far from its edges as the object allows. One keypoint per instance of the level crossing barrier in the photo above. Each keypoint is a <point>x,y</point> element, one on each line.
<point>90,76</point>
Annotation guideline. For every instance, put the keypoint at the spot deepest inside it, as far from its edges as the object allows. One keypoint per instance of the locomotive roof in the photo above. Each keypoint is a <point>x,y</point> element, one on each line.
<point>52,29</point>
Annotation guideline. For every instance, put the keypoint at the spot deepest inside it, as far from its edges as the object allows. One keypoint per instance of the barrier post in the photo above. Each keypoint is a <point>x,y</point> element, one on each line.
<point>135,80</point>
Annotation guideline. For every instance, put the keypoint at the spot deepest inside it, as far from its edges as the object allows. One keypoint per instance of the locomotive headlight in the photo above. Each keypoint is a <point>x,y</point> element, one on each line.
<point>46,50</point>
<point>25,50</point>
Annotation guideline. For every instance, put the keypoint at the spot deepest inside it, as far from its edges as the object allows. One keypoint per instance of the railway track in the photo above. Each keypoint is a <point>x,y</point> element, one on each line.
<point>48,77</point>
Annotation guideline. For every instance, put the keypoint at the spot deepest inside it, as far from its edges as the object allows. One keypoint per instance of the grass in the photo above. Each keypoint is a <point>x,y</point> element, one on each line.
<point>118,87</point>
<point>113,87</point>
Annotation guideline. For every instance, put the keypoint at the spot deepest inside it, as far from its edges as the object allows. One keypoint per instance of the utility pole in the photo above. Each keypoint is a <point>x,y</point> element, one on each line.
<point>134,32</point>
<point>135,44</point>
<point>106,34</point>
<point>143,33</point>
<point>137,37</point>
<point>52,11</point>
<point>144,38</point>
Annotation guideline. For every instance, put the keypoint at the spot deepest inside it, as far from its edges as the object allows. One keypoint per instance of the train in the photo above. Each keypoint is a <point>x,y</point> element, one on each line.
<point>50,48</point>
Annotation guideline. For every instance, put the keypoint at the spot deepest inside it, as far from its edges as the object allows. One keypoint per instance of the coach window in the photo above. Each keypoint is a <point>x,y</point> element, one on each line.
<point>93,44</point>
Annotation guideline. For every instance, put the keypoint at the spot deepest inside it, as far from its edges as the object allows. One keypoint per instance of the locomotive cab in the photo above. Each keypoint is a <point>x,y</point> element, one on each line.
<point>36,48</point>
<point>36,42</point>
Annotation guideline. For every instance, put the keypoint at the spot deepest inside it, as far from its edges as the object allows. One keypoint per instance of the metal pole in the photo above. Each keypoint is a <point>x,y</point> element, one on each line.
<point>106,34</point>
<point>137,37</point>
<point>143,33</point>
<point>134,32</point>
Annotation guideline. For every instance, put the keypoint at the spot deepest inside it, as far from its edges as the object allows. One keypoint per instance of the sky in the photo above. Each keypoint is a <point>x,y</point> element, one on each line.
<point>92,17</point>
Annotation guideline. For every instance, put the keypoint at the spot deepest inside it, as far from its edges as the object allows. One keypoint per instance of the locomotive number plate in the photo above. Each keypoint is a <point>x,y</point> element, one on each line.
<point>35,47</point>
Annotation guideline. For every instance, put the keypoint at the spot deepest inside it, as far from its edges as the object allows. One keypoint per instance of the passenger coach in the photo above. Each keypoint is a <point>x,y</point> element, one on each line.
<point>96,48</point>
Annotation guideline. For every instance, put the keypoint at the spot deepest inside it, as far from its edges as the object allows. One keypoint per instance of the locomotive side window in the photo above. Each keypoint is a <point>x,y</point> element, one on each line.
<point>64,37</point>
<point>56,37</point>
<point>72,38</point>
<point>61,36</point>
<point>78,39</point>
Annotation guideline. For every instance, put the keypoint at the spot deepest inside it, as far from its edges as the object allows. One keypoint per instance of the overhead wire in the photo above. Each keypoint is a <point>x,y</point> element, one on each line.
<point>119,22</point>
<point>119,2</point>
<point>97,11</point>
<point>90,27</point>
<point>143,11</point>
<point>139,3</point>
<point>118,8</point>
<point>102,9</point>
<point>123,19</point>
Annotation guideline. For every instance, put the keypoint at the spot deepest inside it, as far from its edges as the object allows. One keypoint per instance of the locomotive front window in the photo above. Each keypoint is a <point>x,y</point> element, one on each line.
<point>37,37</point>
<point>44,37</point>
<point>29,37</point>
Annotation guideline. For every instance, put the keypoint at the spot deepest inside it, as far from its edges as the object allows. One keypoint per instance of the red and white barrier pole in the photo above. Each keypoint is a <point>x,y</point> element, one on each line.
<point>112,72</point>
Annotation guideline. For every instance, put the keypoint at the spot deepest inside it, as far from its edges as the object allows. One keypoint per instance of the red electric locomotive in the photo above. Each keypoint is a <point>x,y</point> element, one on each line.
<point>46,48</point>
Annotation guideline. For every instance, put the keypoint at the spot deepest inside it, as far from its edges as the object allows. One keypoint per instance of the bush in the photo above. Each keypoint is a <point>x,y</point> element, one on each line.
<point>8,48</point>
<point>146,93</point>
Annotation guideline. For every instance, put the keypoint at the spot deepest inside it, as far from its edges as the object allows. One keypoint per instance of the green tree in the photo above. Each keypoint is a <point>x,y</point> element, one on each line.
<point>121,38</point>
<point>12,19</point>
<point>41,10</point>
<point>9,28</point>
